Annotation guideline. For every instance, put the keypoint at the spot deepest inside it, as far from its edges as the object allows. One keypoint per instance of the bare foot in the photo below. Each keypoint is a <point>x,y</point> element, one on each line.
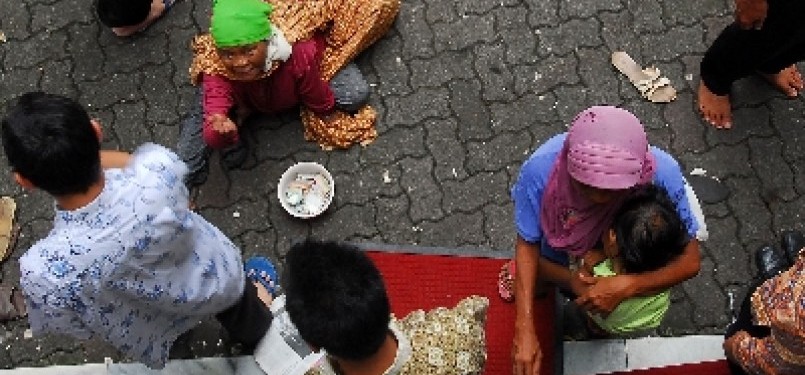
<point>263,294</point>
<point>715,109</point>
<point>788,80</point>
<point>157,9</point>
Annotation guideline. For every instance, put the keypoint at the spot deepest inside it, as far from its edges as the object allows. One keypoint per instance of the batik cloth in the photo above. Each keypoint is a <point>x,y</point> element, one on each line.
<point>779,303</point>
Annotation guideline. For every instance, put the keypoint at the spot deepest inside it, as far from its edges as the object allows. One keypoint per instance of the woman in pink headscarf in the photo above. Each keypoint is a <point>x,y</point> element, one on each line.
<point>564,198</point>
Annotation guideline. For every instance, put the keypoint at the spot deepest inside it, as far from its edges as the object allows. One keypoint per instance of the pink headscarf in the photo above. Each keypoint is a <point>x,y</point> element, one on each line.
<point>606,148</point>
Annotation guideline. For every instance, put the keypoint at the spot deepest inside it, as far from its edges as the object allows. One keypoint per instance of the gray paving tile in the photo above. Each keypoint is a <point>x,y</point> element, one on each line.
<point>465,90</point>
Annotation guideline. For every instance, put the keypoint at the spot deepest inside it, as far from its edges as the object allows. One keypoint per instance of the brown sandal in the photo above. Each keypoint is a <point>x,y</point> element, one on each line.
<point>12,303</point>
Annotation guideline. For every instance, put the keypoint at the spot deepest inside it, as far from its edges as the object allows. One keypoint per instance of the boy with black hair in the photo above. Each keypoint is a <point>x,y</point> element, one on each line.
<point>338,302</point>
<point>126,17</point>
<point>336,298</point>
<point>126,260</point>
<point>646,234</point>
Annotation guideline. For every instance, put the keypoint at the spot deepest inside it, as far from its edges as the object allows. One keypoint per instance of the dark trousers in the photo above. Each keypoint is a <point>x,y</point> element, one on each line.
<point>247,321</point>
<point>744,323</point>
<point>738,53</point>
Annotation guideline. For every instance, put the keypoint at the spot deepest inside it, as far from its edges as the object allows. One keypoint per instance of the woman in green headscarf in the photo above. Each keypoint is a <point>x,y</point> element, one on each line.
<point>271,57</point>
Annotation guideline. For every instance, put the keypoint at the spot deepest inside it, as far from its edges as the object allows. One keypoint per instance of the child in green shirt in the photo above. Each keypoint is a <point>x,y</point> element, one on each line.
<point>646,234</point>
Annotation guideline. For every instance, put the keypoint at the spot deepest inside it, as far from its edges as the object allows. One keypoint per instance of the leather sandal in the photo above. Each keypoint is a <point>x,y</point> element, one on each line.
<point>649,81</point>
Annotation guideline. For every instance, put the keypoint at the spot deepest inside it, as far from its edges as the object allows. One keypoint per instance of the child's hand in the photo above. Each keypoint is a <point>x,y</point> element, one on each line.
<point>591,258</point>
<point>222,124</point>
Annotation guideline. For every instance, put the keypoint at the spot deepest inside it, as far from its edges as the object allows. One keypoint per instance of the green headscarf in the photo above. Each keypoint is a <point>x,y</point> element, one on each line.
<point>240,22</point>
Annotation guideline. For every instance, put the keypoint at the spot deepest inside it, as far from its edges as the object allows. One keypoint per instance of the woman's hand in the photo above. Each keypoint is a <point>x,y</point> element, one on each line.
<point>750,14</point>
<point>526,353</point>
<point>222,124</point>
<point>604,294</point>
<point>581,281</point>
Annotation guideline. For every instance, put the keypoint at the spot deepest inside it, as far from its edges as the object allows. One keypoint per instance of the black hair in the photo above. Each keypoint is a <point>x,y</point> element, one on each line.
<point>49,140</point>
<point>649,230</point>
<point>119,13</point>
<point>336,298</point>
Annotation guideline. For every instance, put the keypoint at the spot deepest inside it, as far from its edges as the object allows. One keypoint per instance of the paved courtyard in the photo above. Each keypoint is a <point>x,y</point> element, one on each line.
<point>465,90</point>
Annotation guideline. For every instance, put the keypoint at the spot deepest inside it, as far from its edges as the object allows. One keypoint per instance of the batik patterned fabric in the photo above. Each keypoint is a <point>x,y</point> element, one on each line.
<point>779,303</point>
<point>135,267</point>
<point>445,341</point>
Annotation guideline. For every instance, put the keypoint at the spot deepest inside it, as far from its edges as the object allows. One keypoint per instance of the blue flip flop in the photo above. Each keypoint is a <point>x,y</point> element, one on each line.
<point>261,269</point>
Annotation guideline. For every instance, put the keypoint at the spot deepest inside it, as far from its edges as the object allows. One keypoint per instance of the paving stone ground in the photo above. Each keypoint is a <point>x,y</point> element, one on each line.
<point>465,89</point>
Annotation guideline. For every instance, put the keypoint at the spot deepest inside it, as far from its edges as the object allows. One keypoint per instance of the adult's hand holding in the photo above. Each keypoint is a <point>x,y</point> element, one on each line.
<point>605,293</point>
<point>581,281</point>
<point>526,352</point>
<point>750,14</point>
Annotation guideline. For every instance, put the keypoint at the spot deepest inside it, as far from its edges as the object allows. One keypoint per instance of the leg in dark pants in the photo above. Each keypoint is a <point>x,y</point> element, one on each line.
<point>248,320</point>
<point>191,147</point>
<point>738,53</point>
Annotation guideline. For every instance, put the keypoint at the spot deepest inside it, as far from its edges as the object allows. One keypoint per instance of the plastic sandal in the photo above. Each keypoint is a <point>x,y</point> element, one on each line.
<point>261,269</point>
<point>648,81</point>
<point>12,303</point>
<point>506,281</point>
<point>7,209</point>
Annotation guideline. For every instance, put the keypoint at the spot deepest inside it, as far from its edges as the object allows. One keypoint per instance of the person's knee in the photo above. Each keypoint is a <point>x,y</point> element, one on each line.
<point>354,97</point>
<point>362,90</point>
<point>350,88</point>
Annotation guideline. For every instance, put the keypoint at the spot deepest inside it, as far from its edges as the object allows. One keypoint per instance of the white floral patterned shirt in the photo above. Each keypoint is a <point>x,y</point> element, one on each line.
<point>135,267</point>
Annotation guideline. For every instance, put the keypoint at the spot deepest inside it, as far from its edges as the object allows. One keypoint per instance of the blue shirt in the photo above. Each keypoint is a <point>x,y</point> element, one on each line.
<point>527,191</point>
<point>135,267</point>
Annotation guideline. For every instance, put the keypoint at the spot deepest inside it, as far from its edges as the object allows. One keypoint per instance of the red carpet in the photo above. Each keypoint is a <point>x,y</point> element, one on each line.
<point>704,368</point>
<point>418,281</point>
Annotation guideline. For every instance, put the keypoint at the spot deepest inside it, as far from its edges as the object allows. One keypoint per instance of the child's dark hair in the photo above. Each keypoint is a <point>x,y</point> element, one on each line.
<point>336,298</point>
<point>119,13</point>
<point>49,140</point>
<point>649,230</point>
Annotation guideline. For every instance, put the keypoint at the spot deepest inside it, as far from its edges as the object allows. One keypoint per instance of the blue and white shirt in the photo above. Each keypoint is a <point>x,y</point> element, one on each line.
<point>135,267</point>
